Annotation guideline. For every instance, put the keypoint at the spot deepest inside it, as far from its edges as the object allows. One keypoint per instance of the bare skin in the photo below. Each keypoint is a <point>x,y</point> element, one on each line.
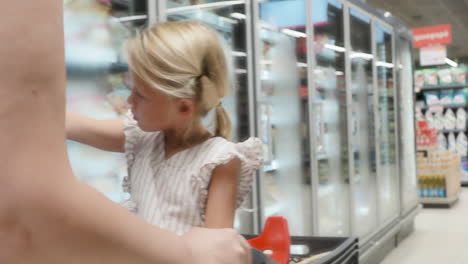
<point>46,216</point>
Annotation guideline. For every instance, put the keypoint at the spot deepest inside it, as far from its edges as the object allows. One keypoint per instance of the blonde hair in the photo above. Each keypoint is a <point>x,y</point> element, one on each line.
<point>184,60</point>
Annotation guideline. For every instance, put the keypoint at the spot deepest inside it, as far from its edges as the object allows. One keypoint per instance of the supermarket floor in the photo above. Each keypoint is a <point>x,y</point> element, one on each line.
<point>440,236</point>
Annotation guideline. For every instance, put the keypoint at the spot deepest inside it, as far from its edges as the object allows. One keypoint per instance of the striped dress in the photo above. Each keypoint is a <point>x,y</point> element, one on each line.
<point>172,193</point>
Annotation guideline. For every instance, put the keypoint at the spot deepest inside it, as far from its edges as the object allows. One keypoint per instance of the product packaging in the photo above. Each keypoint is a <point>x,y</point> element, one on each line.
<point>419,78</point>
<point>418,114</point>
<point>452,143</point>
<point>459,75</point>
<point>459,96</point>
<point>445,77</point>
<point>432,98</point>
<point>461,119</point>
<point>439,120</point>
<point>442,141</point>
<point>430,119</point>
<point>450,120</point>
<point>446,97</point>
<point>462,144</point>
<point>430,77</point>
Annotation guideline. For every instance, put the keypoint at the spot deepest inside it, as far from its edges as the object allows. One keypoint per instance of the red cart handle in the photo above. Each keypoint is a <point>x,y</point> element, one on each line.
<point>274,238</point>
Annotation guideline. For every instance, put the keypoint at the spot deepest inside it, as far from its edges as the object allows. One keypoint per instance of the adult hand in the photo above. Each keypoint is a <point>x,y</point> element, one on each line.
<point>217,246</point>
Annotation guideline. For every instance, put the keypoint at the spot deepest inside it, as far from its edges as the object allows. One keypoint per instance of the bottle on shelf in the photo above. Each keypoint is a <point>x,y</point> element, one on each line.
<point>444,186</point>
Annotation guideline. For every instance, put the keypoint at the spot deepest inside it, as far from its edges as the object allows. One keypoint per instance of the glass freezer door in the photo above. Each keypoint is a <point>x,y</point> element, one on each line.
<point>330,112</point>
<point>96,73</point>
<point>280,46</point>
<point>387,146</point>
<point>409,184</point>
<point>364,187</point>
<point>229,19</point>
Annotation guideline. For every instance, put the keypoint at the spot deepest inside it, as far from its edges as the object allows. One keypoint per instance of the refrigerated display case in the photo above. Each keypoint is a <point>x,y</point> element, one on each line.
<point>362,120</point>
<point>387,176</point>
<point>281,74</point>
<point>96,74</point>
<point>408,184</point>
<point>329,113</point>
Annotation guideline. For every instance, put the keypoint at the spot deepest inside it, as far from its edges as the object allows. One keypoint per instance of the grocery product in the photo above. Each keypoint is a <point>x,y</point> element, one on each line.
<point>459,75</point>
<point>452,143</point>
<point>431,77</point>
<point>432,98</point>
<point>462,144</point>
<point>461,119</point>
<point>432,186</point>
<point>438,169</point>
<point>419,79</point>
<point>459,96</point>
<point>445,76</point>
<point>446,97</point>
<point>450,120</point>
<point>418,114</point>
<point>439,120</point>
<point>429,116</point>
<point>442,141</point>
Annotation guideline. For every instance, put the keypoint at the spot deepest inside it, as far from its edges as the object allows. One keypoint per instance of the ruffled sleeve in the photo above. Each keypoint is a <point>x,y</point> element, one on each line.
<point>133,135</point>
<point>250,154</point>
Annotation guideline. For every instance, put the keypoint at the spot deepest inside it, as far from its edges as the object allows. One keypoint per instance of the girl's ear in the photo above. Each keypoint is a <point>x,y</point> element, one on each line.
<point>185,107</point>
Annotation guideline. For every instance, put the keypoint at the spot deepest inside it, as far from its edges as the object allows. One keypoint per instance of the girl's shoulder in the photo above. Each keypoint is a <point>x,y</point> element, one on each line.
<point>219,151</point>
<point>220,148</point>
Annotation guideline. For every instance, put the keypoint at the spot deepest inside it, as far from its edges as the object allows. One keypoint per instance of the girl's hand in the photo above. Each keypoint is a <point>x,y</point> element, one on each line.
<point>217,246</point>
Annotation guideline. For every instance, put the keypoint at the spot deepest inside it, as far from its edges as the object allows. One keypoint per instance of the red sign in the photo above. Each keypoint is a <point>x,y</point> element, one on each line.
<point>425,36</point>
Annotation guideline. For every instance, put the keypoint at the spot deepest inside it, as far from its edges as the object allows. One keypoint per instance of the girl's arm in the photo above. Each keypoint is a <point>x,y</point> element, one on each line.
<point>222,195</point>
<point>103,134</point>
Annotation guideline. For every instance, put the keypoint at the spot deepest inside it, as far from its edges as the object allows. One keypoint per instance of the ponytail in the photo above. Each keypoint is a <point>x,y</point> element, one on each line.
<point>223,123</point>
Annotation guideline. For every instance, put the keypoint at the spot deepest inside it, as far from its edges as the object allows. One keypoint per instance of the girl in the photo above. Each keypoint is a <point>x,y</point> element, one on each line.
<point>180,174</point>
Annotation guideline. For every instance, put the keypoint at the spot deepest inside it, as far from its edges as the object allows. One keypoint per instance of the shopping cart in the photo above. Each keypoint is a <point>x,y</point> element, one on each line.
<point>275,246</point>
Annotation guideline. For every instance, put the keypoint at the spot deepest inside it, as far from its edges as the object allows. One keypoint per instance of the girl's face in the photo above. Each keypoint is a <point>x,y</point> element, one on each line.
<point>152,109</point>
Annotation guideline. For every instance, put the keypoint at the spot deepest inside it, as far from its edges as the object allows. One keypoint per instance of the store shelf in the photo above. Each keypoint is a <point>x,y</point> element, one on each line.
<point>87,69</point>
<point>452,130</point>
<point>118,68</point>
<point>438,202</point>
<point>451,106</point>
<point>202,13</point>
<point>175,8</point>
<point>120,4</point>
<point>321,156</point>
<point>441,87</point>
<point>270,167</point>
